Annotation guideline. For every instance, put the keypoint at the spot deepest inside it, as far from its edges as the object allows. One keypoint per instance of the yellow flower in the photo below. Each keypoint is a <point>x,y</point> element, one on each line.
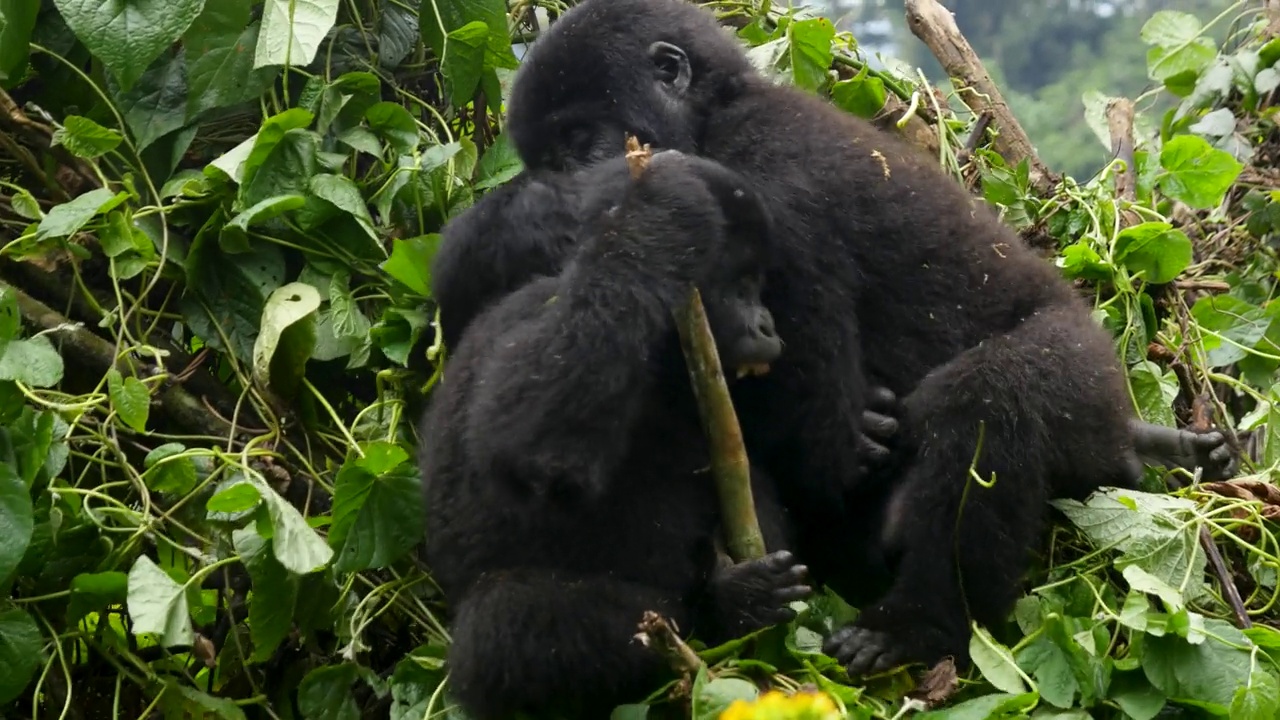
<point>774,705</point>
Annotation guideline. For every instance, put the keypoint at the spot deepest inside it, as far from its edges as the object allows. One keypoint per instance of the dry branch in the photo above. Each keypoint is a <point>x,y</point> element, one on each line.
<point>936,27</point>
<point>729,464</point>
<point>87,348</point>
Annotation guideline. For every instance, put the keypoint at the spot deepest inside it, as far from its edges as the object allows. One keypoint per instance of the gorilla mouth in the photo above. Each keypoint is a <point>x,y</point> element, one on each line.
<point>759,369</point>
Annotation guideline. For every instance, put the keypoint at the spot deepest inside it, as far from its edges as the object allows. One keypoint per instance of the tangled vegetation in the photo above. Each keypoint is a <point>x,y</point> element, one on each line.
<point>216,224</point>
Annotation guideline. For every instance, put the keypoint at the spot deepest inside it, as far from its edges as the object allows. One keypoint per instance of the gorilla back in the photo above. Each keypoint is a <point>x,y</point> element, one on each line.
<point>888,267</point>
<point>564,462</point>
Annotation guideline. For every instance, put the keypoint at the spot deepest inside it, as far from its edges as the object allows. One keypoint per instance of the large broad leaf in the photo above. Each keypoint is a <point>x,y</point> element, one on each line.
<point>292,31</point>
<point>17,20</point>
<point>16,520</point>
<point>810,51</point>
<point>1206,674</point>
<point>325,693</point>
<point>293,542</point>
<point>67,219</point>
<point>1178,48</point>
<point>376,514</point>
<point>126,35</point>
<point>130,398</point>
<point>20,644</point>
<point>158,605</point>
<point>156,104</point>
<point>1196,173</point>
<point>275,592</point>
<point>1155,249</point>
<point>33,362</point>
<point>410,262</point>
<point>220,70</point>
<point>438,18</point>
<point>287,337</point>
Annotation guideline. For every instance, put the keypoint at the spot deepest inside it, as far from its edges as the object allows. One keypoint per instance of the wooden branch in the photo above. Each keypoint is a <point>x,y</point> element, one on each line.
<point>729,464</point>
<point>1229,590</point>
<point>936,27</point>
<point>661,635</point>
<point>88,349</point>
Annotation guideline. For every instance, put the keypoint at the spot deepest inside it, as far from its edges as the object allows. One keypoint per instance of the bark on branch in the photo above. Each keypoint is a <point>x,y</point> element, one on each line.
<point>936,27</point>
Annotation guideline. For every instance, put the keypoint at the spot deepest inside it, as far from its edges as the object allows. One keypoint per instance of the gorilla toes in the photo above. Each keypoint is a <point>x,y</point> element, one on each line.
<point>875,644</point>
<point>862,651</point>
<point>757,593</point>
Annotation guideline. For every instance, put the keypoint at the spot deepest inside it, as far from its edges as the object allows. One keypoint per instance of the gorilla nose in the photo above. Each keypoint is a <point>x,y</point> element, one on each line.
<point>764,326</point>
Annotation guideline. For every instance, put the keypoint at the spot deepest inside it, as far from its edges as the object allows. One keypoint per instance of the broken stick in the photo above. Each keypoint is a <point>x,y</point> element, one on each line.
<point>729,464</point>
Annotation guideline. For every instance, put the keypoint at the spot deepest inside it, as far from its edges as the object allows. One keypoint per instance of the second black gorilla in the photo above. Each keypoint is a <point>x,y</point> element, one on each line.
<point>565,471</point>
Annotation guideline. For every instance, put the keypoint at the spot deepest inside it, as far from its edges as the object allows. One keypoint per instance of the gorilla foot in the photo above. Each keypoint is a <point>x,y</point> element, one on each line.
<point>867,650</point>
<point>756,594</point>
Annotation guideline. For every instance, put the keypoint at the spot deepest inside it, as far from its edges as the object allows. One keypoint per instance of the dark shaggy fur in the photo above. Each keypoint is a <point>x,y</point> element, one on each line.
<point>565,469</point>
<point>886,268</point>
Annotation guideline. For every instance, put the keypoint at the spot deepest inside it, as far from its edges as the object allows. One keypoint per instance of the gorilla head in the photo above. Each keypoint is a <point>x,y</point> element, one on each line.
<point>562,120</point>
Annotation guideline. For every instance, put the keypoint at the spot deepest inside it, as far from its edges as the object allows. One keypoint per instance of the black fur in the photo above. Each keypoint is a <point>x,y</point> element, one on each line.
<point>887,268</point>
<point>565,469</point>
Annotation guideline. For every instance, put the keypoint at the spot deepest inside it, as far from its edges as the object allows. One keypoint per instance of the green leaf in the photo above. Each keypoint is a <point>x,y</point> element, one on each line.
<point>863,95</point>
<point>235,499</point>
<point>376,514</point>
<point>292,31</point>
<point>713,698</point>
<point>325,693</point>
<point>169,471</point>
<point>24,203</point>
<point>499,164</point>
<point>17,520</point>
<point>20,653</point>
<point>1259,699</point>
<point>270,135</point>
<point>1207,674</point>
<point>234,288</point>
<point>127,35</point>
<point>187,702</point>
<point>342,193</point>
<point>17,20</point>
<point>410,262</point>
<point>438,18</point>
<point>284,344</point>
<point>32,362</point>
<point>294,543</point>
<point>995,661</point>
<point>234,237</point>
<point>1177,46</point>
<point>94,592</point>
<point>67,219</point>
<point>987,707</point>
<point>10,316</point>
<point>463,62</point>
<point>158,605</point>
<point>1155,390</point>
<point>1196,173</point>
<point>1143,581</point>
<point>220,71</point>
<point>275,591</point>
<point>810,46</point>
<point>130,398</point>
<point>1155,249</point>
<point>121,236</point>
<point>1050,665</point>
<point>1160,533</point>
<point>1136,696</point>
<point>1240,325</point>
<point>86,138</point>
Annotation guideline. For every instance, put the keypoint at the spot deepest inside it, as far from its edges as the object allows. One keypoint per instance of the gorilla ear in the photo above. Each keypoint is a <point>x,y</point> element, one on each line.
<point>671,66</point>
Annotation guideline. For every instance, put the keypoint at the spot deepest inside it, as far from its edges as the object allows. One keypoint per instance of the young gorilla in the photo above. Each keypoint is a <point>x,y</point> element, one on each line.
<point>565,468</point>
<point>529,228</point>
<point>886,267</point>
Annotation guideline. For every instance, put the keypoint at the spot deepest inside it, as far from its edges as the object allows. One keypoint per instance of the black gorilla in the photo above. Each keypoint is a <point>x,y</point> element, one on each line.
<point>565,469</point>
<point>529,228</point>
<point>886,269</point>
